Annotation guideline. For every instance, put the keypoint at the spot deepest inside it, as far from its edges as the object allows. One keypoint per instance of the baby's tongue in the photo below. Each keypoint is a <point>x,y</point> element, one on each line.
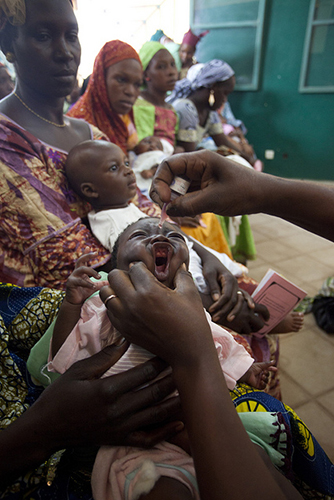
<point>161,270</point>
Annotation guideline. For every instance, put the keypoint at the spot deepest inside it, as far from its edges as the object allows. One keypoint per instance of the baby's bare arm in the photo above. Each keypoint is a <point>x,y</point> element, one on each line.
<point>78,288</point>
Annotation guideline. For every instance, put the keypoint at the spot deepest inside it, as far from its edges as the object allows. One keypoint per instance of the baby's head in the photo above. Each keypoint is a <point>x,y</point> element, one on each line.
<point>150,143</point>
<point>163,250</point>
<point>186,53</point>
<point>99,172</point>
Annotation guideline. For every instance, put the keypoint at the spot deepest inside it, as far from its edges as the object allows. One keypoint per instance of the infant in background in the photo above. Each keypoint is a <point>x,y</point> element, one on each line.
<point>150,152</point>
<point>100,173</point>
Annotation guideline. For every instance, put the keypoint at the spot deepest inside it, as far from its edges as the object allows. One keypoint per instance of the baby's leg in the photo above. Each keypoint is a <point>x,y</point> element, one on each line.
<point>162,472</point>
<point>167,488</point>
<point>293,322</point>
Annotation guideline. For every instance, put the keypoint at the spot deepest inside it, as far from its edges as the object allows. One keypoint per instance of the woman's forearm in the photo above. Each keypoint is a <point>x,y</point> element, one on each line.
<point>217,436</point>
<point>306,204</point>
<point>226,188</point>
<point>22,447</point>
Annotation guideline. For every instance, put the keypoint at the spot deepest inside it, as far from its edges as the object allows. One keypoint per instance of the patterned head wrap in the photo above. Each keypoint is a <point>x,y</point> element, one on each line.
<point>94,106</point>
<point>13,11</point>
<point>201,75</point>
<point>148,50</point>
<point>191,39</point>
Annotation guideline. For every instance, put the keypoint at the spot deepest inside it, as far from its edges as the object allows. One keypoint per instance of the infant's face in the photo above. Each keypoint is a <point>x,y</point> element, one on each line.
<point>163,250</point>
<point>149,144</point>
<point>114,180</point>
<point>186,53</point>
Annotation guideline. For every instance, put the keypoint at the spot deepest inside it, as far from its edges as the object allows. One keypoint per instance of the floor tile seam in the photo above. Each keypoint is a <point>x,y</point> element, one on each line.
<point>308,395</point>
<point>323,408</point>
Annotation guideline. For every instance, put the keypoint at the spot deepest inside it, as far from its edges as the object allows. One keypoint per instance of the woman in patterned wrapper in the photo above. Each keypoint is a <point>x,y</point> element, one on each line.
<point>41,234</point>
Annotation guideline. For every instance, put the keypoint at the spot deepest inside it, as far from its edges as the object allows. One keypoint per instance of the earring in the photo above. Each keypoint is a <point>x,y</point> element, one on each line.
<point>212,98</point>
<point>10,57</point>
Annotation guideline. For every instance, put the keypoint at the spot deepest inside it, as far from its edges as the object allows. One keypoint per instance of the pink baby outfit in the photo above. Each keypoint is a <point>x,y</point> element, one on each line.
<point>125,473</point>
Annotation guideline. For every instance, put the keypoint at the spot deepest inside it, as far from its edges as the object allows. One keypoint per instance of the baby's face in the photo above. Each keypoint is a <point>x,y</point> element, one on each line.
<point>163,250</point>
<point>115,181</point>
<point>186,53</point>
<point>149,144</point>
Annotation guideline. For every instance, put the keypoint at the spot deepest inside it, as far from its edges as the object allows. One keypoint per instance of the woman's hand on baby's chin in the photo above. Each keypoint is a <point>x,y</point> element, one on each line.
<point>169,323</point>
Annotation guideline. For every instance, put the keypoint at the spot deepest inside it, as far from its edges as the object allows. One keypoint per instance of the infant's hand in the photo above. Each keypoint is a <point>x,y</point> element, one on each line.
<point>149,174</point>
<point>79,286</point>
<point>178,149</point>
<point>257,375</point>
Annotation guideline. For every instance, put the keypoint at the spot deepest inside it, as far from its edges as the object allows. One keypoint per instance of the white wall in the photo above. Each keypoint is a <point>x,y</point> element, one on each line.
<point>132,21</point>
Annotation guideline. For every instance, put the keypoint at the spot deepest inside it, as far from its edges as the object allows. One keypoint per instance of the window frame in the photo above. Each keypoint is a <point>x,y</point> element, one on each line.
<point>258,46</point>
<point>311,23</point>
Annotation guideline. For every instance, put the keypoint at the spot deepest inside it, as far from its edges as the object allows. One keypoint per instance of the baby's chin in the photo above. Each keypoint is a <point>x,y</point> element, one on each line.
<point>166,276</point>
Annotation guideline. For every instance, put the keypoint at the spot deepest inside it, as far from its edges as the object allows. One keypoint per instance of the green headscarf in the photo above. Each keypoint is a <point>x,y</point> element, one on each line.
<point>148,50</point>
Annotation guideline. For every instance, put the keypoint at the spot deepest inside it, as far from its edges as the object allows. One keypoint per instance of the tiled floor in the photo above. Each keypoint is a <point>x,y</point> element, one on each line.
<point>307,357</point>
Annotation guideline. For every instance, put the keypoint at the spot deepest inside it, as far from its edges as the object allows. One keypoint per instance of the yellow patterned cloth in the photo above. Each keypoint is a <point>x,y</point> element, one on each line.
<point>25,315</point>
<point>301,457</point>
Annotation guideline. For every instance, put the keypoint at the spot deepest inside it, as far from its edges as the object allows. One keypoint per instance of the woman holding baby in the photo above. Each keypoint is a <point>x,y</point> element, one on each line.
<point>41,238</point>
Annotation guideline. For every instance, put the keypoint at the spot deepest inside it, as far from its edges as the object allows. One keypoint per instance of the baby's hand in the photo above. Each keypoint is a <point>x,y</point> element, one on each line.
<point>257,375</point>
<point>79,286</point>
<point>149,174</point>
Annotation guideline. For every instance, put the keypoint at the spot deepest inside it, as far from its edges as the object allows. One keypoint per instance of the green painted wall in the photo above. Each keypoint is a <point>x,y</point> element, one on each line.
<point>298,127</point>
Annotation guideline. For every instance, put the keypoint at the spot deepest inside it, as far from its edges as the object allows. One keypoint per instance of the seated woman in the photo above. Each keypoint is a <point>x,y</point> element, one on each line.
<point>151,112</point>
<point>41,230</point>
<point>196,100</point>
<point>107,103</point>
<point>153,116</point>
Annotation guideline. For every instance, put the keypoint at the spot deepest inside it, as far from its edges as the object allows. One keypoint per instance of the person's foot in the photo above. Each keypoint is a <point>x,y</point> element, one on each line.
<point>293,322</point>
<point>258,165</point>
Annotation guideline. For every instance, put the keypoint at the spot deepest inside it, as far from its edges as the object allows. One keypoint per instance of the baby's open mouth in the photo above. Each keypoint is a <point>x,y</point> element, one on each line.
<point>162,253</point>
